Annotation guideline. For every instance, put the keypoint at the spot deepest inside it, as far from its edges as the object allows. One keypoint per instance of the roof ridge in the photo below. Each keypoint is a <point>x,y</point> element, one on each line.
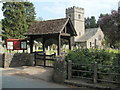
<point>52,20</point>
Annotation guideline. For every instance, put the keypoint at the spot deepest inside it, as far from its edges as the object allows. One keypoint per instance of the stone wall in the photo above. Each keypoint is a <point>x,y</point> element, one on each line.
<point>76,15</point>
<point>18,59</point>
<point>1,62</point>
<point>60,70</point>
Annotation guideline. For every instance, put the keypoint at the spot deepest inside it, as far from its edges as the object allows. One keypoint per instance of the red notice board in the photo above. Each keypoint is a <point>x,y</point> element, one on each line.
<point>16,44</point>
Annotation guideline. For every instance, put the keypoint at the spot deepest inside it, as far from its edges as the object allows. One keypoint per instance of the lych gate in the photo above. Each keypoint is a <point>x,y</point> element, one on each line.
<point>52,29</point>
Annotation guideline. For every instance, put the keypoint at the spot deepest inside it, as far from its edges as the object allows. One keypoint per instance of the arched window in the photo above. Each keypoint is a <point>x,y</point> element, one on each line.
<point>79,16</point>
<point>90,44</point>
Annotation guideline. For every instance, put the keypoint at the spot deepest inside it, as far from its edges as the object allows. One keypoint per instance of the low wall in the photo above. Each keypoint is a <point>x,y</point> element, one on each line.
<point>17,59</point>
<point>60,67</point>
<point>1,60</point>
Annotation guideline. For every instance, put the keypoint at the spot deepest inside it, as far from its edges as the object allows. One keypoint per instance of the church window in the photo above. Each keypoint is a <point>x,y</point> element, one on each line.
<point>79,16</point>
<point>95,43</point>
<point>90,44</point>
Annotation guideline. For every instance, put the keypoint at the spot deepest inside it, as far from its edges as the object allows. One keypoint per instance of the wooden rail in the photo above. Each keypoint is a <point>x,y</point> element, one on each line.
<point>93,71</point>
<point>47,60</point>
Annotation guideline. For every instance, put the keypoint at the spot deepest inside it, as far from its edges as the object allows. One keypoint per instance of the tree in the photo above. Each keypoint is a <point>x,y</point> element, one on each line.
<point>87,22</point>
<point>30,11</point>
<point>40,19</point>
<point>90,22</point>
<point>18,18</point>
<point>110,25</point>
<point>102,15</point>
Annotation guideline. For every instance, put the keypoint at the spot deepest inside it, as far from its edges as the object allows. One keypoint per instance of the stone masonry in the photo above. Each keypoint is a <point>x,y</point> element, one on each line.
<point>17,59</point>
<point>76,15</point>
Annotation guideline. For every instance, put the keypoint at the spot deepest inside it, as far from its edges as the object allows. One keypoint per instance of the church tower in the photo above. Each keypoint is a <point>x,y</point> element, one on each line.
<point>76,15</point>
<point>119,5</point>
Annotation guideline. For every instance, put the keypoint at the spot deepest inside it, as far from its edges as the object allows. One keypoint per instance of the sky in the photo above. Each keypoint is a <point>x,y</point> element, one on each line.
<point>54,9</point>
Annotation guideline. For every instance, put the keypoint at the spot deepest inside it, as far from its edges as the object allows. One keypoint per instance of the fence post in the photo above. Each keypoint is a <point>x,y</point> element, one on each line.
<point>35,64</point>
<point>95,72</point>
<point>44,57</point>
<point>3,60</point>
<point>69,67</point>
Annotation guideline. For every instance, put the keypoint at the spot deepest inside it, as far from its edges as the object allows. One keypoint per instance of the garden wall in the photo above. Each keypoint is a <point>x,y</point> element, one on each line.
<point>60,73</point>
<point>1,62</point>
<point>17,59</point>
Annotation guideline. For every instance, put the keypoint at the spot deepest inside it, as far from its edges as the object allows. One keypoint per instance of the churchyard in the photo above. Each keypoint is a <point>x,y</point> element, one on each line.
<point>74,52</point>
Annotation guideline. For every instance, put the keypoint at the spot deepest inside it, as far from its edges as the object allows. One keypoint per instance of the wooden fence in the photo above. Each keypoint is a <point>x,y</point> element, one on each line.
<point>93,72</point>
<point>44,59</point>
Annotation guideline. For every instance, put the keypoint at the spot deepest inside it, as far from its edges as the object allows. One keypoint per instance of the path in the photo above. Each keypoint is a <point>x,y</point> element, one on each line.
<point>14,81</point>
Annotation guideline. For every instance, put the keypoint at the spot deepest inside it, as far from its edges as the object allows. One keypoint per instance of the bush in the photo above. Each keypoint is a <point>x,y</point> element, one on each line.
<point>89,56</point>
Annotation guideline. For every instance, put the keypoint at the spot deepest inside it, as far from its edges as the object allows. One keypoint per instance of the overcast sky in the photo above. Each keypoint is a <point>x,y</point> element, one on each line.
<point>53,9</point>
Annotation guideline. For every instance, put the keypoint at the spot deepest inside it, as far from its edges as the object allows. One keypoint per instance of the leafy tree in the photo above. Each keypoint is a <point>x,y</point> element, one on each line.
<point>102,15</point>
<point>18,18</point>
<point>110,24</point>
<point>90,22</point>
<point>87,22</point>
<point>40,19</point>
<point>30,11</point>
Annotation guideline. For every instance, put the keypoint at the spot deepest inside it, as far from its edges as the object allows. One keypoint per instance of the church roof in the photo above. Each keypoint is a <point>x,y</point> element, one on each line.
<point>49,27</point>
<point>88,34</point>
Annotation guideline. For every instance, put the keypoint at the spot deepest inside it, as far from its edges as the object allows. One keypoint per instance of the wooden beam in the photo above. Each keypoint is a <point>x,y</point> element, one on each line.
<point>70,44</point>
<point>31,44</point>
<point>59,43</point>
<point>43,44</point>
<point>65,34</point>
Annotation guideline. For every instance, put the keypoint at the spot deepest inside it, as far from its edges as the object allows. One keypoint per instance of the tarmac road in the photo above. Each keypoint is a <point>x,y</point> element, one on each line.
<point>14,81</point>
<point>20,81</point>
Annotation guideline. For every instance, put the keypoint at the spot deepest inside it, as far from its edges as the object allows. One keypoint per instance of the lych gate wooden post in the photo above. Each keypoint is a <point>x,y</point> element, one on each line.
<point>35,54</point>
<point>31,44</point>
<point>44,57</point>
<point>70,45</point>
<point>43,44</point>
<point>59,44</point>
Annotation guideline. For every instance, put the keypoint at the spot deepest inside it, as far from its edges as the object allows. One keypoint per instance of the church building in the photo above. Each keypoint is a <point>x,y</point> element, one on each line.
<point>86,38</point>
<point>71,28</point>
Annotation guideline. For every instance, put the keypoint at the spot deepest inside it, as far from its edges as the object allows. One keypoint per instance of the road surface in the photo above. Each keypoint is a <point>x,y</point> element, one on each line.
<point>20,81</point>
<point>14,81</point>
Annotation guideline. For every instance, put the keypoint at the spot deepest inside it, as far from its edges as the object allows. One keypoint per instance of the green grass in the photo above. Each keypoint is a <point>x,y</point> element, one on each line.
<point>40,50</point>
<point>112,51</point>
<point>107,50</point>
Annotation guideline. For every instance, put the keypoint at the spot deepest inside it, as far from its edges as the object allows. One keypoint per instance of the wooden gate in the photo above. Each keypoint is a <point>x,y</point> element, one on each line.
<point>42,59</point>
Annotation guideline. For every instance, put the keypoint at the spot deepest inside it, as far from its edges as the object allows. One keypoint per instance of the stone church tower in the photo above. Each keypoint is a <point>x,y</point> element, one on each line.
<point>76,15</point>
<point>119,5</point>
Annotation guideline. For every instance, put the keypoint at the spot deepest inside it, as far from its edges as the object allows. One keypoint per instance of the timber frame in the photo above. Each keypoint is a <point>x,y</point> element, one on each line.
<point>43,30</point>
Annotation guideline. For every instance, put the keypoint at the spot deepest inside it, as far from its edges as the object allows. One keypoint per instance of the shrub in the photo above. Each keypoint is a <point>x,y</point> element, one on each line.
<point>89,56</point>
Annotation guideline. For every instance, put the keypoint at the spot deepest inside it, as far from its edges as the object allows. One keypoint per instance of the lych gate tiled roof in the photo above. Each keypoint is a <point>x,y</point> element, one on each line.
<point>89,33</point>
<point>47,27</point>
